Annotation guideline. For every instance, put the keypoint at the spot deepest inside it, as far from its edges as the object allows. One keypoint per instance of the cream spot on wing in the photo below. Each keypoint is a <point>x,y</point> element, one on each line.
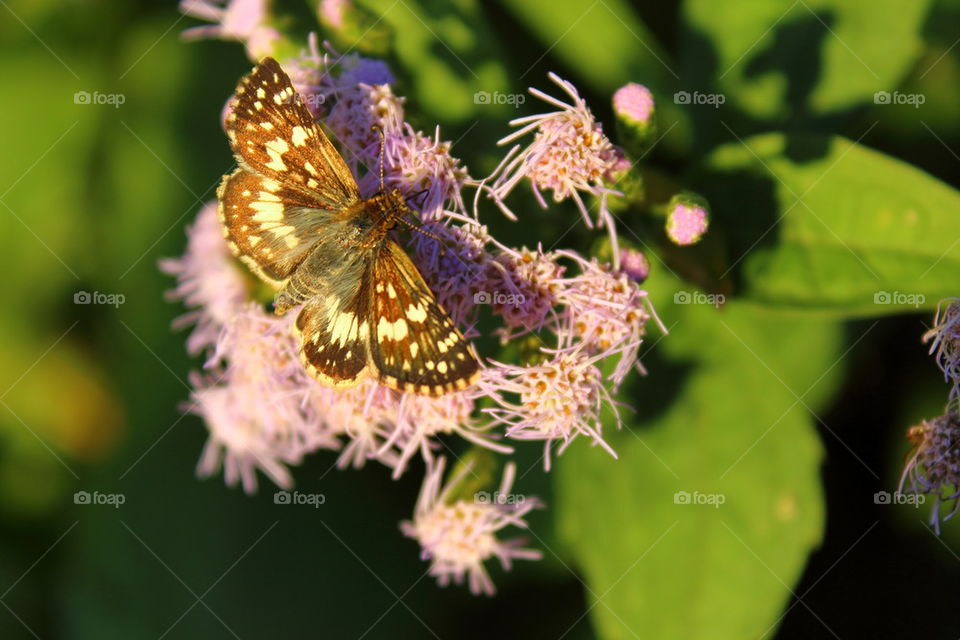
<point>267,126</point>
<point>261,93</point>
<point>417,313</point>
<point>270,196</point>
<point>414,349</point>
<point>442,367</point>
<point>275,149</point>
<point>344,328</point>
<point>430,365</point>
<point>267,211</point>
<point>391,291</point>
<point>254,240</point>
<point>395,331</point>
<point>291,241</point>
<point>298,135</point>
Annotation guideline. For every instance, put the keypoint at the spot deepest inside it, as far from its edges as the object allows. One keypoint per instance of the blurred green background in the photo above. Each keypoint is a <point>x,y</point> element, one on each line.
<point>792,400</point>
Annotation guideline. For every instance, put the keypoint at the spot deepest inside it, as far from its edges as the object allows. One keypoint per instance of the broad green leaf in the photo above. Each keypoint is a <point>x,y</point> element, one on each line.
<point>731,430</point>
<point>820,223</point>
<point>772,58</point>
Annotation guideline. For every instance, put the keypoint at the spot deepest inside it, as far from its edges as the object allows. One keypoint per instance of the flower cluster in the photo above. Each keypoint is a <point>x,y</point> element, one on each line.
<point>933,467</point>
<point>559,313</point>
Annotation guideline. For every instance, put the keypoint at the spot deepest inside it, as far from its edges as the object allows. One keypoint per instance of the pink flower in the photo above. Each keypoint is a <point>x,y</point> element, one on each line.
<point>253,402</point>
<point>457,535</point>
<point>934,465</point>
<point>945,342</point>
<point>569,154</point>
<point>360,112</point>
<point>634,103</point>
<point>241,20</point>
<point>557,400</point>
<point>522,289</point>
<point>686,223</point>
<point>422,169</point>
<point>635,264</point>
<point>208,281</point>
<point>607,312</point>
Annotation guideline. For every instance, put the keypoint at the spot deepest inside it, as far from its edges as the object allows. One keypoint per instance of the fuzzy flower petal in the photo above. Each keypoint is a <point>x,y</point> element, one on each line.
<point>457,536</point>
<point>207,280</point>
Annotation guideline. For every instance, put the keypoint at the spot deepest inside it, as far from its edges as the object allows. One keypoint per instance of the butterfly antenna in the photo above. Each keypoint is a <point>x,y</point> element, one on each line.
<point>383,150</point>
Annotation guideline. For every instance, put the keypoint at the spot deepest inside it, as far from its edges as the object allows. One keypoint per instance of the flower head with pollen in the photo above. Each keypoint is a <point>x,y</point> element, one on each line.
<point>607,311</point>
<point>554,401</point>
<point>523,286</point>
<point>944,341</point>
<point>934,465</point>
<point>569,154</point>
<point>457,536</point>
<point>253,402</point>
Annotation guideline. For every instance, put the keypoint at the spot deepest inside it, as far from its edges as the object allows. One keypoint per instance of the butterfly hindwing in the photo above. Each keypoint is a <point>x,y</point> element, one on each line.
<point>334,332</point>
<point>414,344</point>
<point>273,134</point>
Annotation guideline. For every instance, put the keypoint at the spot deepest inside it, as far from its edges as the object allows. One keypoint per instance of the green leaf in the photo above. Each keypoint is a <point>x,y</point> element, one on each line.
<point>733,427</point>
<point>821,223</point>
<point>818,56</point>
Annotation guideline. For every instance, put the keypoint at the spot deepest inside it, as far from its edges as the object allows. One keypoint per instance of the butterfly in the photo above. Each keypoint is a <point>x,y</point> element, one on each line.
<point>292,212</point>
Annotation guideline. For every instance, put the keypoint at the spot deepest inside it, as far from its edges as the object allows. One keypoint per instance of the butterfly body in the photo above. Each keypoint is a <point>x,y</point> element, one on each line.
<point>293,213</point>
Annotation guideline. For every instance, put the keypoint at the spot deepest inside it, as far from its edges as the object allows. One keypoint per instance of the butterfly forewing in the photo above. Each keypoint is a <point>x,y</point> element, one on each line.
<point>273,134</point>
<point>415,345</point>
<point>269,226</point>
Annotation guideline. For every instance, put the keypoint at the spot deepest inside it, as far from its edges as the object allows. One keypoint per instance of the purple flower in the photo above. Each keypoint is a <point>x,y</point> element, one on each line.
<point>934,464</point>
<point>569,154</point>
<point>607,312</point>
<point>945,342</point>
<point>241,20</point>
<point>458,535</point>
<point>557,400</point>
<point>686,222</point>
<point>633,102</point>
<point>422,168</point>
<point>253,402</point>
<point>523,287</point>
<point>208,281</point>
<point>635,264</point>
<point>359,113</point>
